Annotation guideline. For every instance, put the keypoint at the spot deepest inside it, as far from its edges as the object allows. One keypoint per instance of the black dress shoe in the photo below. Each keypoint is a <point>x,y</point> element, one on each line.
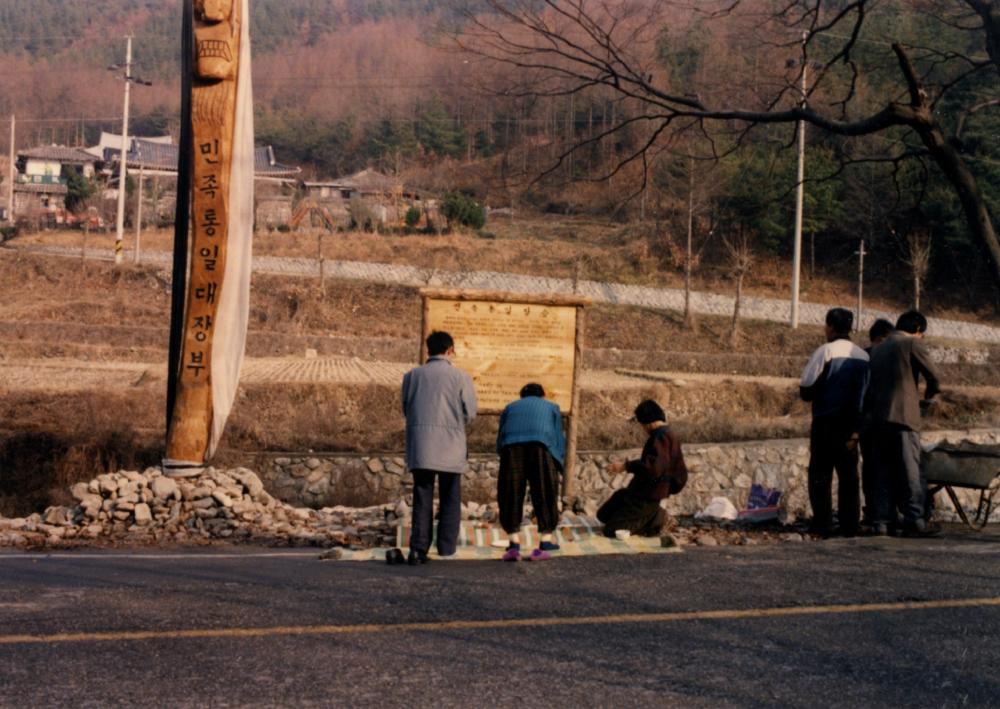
<point>415,557</point>
<point>394,556</point>
<point>823,531</point>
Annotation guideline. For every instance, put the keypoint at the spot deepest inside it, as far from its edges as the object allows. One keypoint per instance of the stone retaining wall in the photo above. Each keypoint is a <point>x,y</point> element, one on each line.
<point>716,470</point>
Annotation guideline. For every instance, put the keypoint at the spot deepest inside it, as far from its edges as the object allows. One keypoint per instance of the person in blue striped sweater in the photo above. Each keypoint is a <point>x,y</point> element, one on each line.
<point>532,450</point>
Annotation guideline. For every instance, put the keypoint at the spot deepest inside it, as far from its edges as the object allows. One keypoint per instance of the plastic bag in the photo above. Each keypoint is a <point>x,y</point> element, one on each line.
<point>718,508</point>
<point>762,504</point>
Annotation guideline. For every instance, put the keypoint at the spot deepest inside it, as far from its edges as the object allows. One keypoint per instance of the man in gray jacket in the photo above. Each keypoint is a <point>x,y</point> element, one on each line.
<point>439,401</point>
<point>893,408</point>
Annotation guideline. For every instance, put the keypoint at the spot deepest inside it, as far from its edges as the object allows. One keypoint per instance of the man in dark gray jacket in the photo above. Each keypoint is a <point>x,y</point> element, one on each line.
<point>439,401</point>
<point>893,406</point>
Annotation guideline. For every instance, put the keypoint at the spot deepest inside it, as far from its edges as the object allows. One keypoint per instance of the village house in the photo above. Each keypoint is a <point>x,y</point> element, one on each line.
<point>113,142</point>
<point>43,175</point>
<point>156,158</point>
<point>367,198</point>
<point>42,181</point>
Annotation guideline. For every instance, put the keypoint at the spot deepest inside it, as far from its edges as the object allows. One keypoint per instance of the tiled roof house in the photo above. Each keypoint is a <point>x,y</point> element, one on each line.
<point>157,157</point>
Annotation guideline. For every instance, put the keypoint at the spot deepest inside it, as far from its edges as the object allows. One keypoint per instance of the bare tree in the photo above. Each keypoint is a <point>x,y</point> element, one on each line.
<point>739,260</point>
<point>690,182</point>
<point>918,258</point>
<point>689,247</point>
<point>564,47</point>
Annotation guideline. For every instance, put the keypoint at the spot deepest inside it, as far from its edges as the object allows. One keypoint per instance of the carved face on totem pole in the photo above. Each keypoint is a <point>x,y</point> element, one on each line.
<point>215,31</point>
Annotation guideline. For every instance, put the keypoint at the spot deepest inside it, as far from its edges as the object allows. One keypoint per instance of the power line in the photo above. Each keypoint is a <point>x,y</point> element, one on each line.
<point>69,120</point>
<point>454,121</point>
<point>28,38</point>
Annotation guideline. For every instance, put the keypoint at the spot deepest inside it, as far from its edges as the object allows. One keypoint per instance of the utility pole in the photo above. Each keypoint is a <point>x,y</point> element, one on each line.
<point>688,250</point>
<point>799,195</point>
<point>812,253</point>
<point>13,172</point>
<point>861,282</point>
<point>120,221</point>
<point>138,216</point>
<point>319,258</point>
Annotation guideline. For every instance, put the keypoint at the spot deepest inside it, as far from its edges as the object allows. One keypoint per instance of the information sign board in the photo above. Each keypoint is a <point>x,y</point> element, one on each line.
<point>506,345</point>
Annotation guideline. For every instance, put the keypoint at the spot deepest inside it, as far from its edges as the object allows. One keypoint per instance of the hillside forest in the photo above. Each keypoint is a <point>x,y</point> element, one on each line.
<point>675,115</point>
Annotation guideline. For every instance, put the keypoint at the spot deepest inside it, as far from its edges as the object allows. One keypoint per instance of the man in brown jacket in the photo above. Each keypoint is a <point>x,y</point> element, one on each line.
<point>893,407</point>
<point>659,473</point>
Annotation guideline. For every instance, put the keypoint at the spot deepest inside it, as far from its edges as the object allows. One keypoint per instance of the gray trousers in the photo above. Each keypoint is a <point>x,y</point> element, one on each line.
<point>899,483</point>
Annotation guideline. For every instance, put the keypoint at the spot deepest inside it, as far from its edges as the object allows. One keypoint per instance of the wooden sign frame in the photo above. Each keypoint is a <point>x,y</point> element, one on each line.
<point>493,298</point>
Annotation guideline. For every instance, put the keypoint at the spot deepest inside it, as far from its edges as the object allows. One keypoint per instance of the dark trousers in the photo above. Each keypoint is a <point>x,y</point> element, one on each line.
<point>829,451</point>
<point>450,511</point>
<point>629,510</point>
<point>899,482</point>
<point>869,477</point>
<point>526,466</point>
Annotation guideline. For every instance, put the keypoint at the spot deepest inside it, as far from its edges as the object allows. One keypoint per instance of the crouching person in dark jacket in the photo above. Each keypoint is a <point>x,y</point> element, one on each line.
<point>659,473</point>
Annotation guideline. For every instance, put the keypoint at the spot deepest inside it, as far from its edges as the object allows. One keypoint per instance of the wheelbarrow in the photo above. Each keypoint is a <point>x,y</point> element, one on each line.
<point>968,465</point>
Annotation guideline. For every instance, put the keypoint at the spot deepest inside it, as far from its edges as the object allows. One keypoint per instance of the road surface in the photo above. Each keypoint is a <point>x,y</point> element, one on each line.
<point>866,622</point>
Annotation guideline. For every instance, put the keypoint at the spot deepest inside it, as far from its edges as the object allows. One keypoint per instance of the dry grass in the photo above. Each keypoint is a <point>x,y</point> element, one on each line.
<point>551,245</point>
<point>50,311</point>
<point>122,314</point>
<point>55,440</point>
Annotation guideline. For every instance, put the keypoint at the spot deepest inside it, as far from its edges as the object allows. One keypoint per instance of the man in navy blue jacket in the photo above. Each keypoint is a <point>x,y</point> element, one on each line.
<point>834,380</point>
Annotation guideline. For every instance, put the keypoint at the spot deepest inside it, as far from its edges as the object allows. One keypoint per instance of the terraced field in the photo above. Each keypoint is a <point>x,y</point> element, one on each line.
<point>83,352</point>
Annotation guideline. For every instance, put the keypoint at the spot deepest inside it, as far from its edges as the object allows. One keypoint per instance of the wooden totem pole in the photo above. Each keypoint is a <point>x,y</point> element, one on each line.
<point>213,231</point>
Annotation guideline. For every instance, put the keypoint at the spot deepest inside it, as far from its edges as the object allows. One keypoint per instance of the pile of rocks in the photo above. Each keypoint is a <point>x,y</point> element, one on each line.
<point>488,512</point>
<point>148,507</point>
<point>132,508</point>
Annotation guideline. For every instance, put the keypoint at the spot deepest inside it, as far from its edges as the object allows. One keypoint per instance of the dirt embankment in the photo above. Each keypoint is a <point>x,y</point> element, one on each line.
<point>592,248</point>
<point>58,307</point>
<point>53,439</point>
<point>54,307</point>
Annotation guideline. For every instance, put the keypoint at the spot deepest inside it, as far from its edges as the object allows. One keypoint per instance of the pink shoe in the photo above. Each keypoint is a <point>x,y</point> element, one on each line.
<point>512,555</point>
<point>539,555</point>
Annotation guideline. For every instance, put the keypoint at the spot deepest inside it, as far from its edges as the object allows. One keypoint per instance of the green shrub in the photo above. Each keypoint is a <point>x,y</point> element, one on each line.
<point>412,217</point>
<point>462,209</point>
<point>79,190</point>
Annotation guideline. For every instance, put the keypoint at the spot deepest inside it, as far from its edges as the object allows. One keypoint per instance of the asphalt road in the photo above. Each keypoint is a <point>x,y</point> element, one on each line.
<point>840,623</point>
